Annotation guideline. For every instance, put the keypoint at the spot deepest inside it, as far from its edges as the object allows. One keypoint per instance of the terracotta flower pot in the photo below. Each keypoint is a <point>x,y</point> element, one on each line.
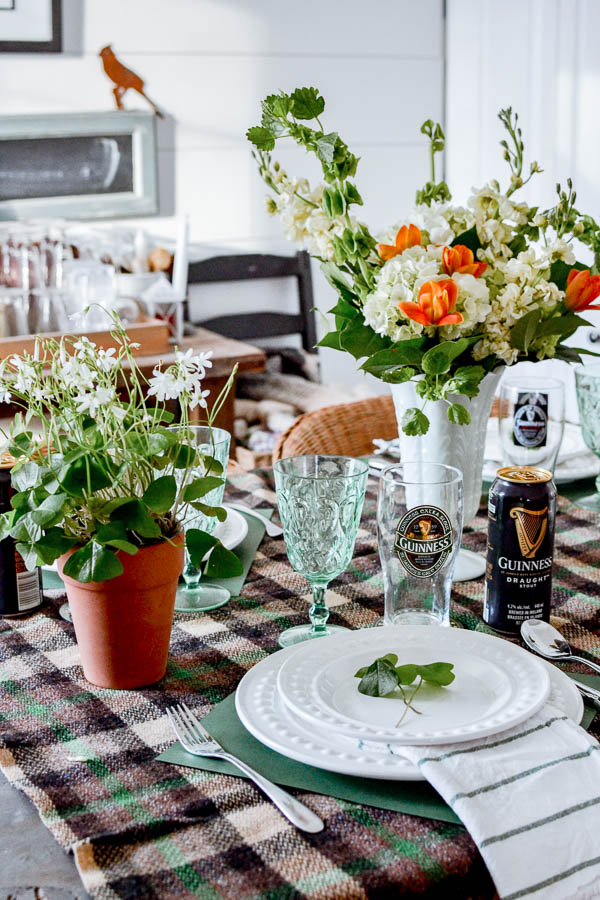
<point>123,625</point>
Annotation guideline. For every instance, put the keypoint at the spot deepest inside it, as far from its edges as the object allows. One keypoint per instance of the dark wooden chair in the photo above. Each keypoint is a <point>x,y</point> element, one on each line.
<point>249,326</point>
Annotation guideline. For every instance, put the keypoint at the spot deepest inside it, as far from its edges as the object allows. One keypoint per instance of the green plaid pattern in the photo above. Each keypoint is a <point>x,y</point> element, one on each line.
<point>138,828</point>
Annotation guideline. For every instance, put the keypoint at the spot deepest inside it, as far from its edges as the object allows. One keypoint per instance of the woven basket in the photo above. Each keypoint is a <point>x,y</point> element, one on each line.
<point>344,430</point>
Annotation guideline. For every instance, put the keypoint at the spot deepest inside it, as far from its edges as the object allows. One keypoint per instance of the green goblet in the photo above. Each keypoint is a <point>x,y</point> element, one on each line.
<point>320,502</point>
<point>587,381</point>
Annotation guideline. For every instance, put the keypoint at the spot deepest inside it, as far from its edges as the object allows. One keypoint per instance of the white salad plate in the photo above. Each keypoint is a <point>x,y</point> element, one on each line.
<point>497,685</point>
<point>271,722</point>
<point>231,533</point>
<point>233,530</point>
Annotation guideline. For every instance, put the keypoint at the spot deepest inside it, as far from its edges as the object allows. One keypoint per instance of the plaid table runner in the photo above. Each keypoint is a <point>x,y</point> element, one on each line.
<point>138,828</point>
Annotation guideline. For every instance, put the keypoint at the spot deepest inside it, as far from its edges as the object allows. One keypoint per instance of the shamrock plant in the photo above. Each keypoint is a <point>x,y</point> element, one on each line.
<point>101,470</point>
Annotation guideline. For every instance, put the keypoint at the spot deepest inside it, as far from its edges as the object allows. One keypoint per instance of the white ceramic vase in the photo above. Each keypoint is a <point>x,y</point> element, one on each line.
<point>461,446</point>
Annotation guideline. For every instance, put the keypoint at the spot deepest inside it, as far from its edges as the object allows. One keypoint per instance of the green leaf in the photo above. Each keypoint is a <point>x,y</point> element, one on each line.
<point>326,147</point>
<point>115,535</point>
<point>468,239</point>
<point>223,563</point>
<point>458,414</point>
<point>306,103</point>
<point>518,244</point>
<point>183,456</point>
<point>51,511</point>
<point>572,354</point>
<point>404,353</point>
<point>344,310</point>
<point>396,376</point>
<point>414,422</point>
<point>407,673</point>
<point>278,104</point>
<point>559,272</point>
<point>7,520</point>
<point>524,331</point>
<point>331,340</point>
<point>201,486</point>
<point>160,494</point>
<point>352,195</point>
<point>93,562</point>
<point>390,657</point>
<point>29,555</point>
<point>261,137</point>
<point>439,359</point>
<point>25,476</point>
<point>26,529</point>
<point>135,517</point>
<point>212,512</point>
<point>380,679</point>
<point>360,340</point>
<point>565,325</point>
<point>53,544</point>
<point>84,474</point>
<point>198,544</point>
<point>437,673</point>
<point>465,381</point>
<point>337,280</point>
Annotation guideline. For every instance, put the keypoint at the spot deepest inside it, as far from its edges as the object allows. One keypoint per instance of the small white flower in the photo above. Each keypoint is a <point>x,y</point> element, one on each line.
<point>4,395</point>
<point>94,400</point>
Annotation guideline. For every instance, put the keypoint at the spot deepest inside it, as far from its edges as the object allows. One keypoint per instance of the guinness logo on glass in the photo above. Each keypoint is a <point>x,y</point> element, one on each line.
<point>423,540</point>
<point>530,423</point>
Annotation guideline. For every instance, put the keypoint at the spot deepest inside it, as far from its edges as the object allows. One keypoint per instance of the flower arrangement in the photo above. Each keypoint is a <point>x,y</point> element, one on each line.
<point>449,293</point>
<point>109,472</point>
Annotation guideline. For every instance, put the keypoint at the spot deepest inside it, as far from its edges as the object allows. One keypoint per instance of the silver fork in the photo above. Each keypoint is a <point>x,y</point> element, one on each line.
<point>196,740</point>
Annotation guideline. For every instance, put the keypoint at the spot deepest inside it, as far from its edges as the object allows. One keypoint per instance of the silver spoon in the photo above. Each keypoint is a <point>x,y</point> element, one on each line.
<point>544,639</point>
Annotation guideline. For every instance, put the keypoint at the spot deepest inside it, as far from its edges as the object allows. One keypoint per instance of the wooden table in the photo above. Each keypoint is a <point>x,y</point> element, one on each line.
<point>226,353</point>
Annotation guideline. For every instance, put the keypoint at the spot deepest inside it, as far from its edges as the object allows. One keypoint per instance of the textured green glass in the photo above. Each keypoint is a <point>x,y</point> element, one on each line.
<point>320,502</point>
<point>587,381</point>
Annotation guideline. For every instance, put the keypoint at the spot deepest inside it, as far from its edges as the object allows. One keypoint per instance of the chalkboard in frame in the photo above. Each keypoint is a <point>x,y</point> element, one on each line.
<point>78,165</point>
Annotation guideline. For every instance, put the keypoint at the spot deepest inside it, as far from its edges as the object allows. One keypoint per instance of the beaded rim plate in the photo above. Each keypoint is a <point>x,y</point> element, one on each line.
<point>264,715</point>
<point>497,685</point>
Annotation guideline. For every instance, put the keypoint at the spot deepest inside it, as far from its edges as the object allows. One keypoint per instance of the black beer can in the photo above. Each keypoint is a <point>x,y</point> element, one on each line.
<point>20,590</point>
<point>518,577</point>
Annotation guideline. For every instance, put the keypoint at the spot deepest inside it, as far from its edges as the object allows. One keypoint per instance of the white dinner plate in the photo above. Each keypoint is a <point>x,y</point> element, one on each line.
<point>497,685</point>
<point>231,532</point>
<point>266,717</point>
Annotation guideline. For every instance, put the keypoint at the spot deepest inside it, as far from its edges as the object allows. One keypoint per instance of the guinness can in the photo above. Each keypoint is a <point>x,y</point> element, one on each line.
<point>518,578</point>
<point>20,590</point>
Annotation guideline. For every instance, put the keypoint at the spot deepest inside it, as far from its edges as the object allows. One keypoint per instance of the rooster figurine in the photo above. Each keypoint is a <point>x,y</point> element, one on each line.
<point>124,79</point>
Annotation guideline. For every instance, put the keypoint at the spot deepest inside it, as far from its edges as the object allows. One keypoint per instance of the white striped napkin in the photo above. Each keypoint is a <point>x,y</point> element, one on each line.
<point>530,798</point>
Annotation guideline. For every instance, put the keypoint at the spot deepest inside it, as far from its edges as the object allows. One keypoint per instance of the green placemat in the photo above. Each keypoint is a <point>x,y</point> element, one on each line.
<point>246,552</point>
<point>417,798</point>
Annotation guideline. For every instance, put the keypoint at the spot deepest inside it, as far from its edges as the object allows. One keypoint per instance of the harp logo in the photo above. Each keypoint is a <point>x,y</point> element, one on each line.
<point>531,525</point>
<point>423,540</point>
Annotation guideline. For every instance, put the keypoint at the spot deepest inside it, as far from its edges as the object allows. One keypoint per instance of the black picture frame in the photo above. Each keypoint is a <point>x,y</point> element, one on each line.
<point>54,45</point>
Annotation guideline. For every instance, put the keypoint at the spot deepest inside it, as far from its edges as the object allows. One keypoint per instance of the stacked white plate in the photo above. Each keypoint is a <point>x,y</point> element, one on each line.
<point>304,701</point>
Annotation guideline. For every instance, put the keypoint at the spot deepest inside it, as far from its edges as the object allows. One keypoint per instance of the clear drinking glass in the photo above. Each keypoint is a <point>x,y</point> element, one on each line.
<point>587,383</point>
<point>210,442</point>
<point>320,502</point>
<point>419,527</point>
<point>531,421</point>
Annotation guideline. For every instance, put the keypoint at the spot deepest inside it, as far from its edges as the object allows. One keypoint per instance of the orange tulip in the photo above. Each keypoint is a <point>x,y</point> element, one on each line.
<point>408,236</point>
<point>582,290</point>
<point>437,300</point>
<point>461,259</point>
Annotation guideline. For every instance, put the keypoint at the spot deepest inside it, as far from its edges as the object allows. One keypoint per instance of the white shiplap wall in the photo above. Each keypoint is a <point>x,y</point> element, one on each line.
<point>208,63</point>
<point>541,58</point>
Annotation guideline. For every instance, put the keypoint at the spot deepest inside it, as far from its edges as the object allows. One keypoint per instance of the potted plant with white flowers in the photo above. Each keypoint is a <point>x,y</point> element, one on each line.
<point>102,478</point>
<point>439,303</point>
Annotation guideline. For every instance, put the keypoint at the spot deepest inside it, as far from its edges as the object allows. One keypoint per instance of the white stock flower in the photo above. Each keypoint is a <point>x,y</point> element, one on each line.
<point>92,401</point>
